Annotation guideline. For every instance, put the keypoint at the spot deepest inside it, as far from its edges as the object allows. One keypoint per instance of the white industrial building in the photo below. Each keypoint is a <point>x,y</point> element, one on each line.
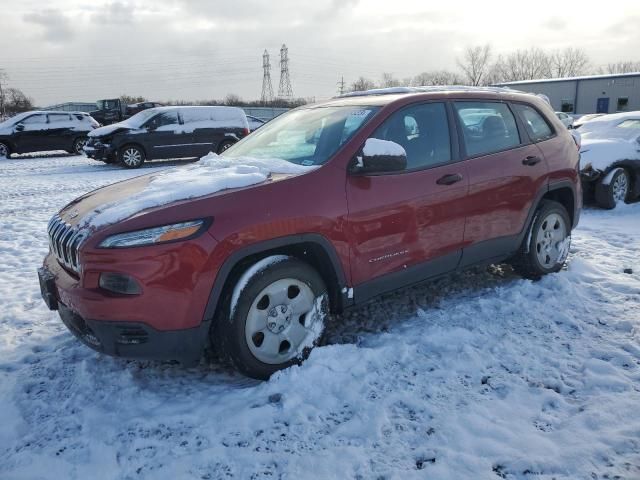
<point>589,94</point>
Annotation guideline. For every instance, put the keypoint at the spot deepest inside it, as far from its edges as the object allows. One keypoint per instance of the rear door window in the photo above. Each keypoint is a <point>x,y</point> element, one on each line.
<point>487,127</point>
<point>57,119</point>
<point>537,127</point>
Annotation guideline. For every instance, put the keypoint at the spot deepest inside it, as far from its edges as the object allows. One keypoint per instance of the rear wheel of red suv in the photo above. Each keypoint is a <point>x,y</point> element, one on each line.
<point>274,318</point>
<point>546,247</point>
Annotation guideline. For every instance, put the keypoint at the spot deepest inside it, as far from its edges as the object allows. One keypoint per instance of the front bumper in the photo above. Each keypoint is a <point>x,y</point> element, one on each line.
<point>134,340</point>
<point>98,151</point>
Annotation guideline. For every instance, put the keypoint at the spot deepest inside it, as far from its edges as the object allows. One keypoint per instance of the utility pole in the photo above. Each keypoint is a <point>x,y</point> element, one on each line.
<point>267,88</point>
<point>284,89</point>
<point>341,86</point>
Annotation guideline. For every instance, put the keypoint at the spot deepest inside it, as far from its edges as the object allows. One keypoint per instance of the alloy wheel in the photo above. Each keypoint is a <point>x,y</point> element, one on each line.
<point>552,241</point>
<point>4,151</point>
<point>132,157</point>
<point>282,321</point>
<point>620,187</point>
<point>79,145</point>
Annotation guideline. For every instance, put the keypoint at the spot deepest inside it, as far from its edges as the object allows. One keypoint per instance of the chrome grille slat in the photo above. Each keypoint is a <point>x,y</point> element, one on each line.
<point>64,241</point>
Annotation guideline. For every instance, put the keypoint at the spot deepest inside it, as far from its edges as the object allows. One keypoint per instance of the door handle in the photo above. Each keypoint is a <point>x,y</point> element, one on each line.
<point>449,179</point>
<point>531,160</point>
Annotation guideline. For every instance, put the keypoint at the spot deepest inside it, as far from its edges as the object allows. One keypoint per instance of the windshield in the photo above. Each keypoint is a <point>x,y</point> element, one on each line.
<point>308,136</point>
<point>15,119</point>
<point>139,118</point>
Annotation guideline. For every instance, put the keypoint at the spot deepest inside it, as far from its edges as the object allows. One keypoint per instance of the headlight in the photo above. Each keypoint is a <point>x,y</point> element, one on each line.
<point>152,236</point>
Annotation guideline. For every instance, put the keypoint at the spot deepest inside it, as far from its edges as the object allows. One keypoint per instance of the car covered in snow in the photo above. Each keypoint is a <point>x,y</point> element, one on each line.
<point>319,210</point>
<point>167,132</point>
<point>586,118</point>
<point>39,131</point>
<point>610,159</point>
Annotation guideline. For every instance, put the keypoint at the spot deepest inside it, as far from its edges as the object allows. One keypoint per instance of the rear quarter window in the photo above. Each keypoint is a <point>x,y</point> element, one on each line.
<point>534,122</point>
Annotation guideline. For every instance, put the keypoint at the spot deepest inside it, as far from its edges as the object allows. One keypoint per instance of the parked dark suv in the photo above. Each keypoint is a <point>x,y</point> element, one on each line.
<point>39,131</point>
<point>321,209</point>
<point>168,132</point>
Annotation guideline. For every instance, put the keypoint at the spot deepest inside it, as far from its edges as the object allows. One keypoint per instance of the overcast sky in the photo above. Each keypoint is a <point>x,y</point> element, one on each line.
<point>69,50</point>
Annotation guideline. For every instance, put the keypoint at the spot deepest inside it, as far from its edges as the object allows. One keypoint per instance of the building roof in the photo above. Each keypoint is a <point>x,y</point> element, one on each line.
<point>569,79</point>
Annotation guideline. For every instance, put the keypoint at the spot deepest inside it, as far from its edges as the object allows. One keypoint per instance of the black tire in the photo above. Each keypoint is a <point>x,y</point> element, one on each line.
<point>526,262</point>
<point>224,145</point>
<point>228,335</point>
<point>5,151</point>
<point>131,156</point>
<point>607,196</point>
<point>77,145</point>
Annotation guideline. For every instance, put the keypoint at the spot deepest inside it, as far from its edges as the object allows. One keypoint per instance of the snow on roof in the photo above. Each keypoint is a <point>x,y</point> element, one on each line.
<point>569,79</point>
<point>428,89</point>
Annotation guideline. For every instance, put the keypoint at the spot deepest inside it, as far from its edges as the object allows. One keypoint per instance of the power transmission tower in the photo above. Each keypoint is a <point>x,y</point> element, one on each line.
<point>341,86</point>
<point>267,88</point>
<point>284,90</point>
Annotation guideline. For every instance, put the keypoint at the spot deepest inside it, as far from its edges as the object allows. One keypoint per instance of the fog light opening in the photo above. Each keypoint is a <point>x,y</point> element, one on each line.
<point>119,283</point>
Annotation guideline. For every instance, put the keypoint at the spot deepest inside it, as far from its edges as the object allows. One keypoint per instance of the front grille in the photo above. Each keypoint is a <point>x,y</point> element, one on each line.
<point>64,241</point>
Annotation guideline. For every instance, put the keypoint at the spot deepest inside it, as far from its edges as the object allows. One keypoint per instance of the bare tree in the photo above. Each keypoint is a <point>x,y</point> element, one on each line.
<point>389,81</point>
<point>232,99</point>
<point>129,99</point>
<point>475,64</point>
<point>362,84</point>
<point>621,67</point>
<point>439,77</point>
<point>569,62</point>
<point>527,64</point>
<point>16,101</point>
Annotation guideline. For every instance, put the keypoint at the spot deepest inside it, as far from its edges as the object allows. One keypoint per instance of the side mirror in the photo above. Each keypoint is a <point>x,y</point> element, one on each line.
<point>19,127</point>
<point>380,156</point>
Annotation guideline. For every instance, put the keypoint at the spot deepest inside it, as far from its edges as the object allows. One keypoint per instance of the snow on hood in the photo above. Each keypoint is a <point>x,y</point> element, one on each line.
<point>211,174</point>
<point>601,153</point>
<point>109,129</point>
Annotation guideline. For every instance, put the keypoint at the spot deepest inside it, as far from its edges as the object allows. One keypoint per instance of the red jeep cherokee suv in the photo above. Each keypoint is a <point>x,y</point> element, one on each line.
<point>386,188</point>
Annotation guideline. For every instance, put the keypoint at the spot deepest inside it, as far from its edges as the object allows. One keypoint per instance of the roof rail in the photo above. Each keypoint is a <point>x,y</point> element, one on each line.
<point>427,89</point>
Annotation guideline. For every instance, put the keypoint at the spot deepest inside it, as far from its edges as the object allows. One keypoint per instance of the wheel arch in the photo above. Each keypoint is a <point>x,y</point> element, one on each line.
<point>10,145</point>
<point>564,193</point>
<point>314,249</point>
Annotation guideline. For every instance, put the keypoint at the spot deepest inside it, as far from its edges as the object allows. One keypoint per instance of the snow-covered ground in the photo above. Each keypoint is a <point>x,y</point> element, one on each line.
<point>481,375</point>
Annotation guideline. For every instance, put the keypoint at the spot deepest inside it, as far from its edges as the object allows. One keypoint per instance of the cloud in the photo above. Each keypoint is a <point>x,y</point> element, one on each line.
<point>555,23</point>
<point>56,26</point>
<point>114,13</point>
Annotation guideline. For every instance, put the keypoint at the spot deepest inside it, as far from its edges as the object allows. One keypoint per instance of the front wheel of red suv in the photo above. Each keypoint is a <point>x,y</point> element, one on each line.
<point>546,246</point>
<point>274,318</point>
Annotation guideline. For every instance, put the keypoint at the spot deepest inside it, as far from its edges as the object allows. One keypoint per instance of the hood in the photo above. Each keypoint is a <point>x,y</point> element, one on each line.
<point>109,129</point>
<point>212,174</point>
<point>602,153</point>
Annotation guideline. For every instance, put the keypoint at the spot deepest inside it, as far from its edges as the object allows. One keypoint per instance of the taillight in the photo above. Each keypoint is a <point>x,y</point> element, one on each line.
<point>245,132</point>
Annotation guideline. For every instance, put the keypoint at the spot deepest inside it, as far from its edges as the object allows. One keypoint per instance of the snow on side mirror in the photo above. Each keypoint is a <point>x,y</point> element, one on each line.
<point>380,156</point>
